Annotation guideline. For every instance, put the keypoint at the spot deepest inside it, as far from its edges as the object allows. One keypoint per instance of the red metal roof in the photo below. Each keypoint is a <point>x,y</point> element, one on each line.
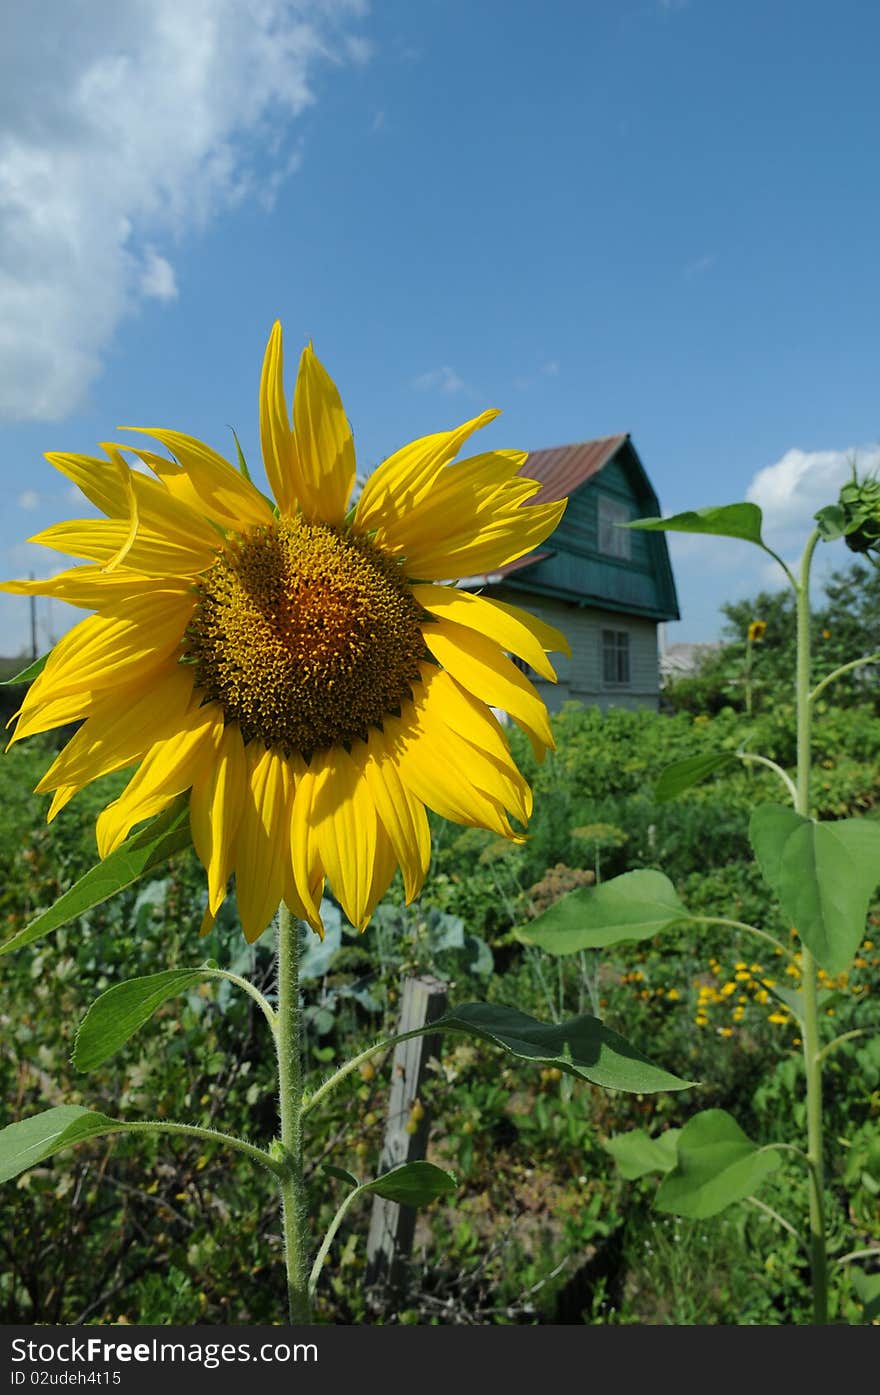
<point>563,468</point>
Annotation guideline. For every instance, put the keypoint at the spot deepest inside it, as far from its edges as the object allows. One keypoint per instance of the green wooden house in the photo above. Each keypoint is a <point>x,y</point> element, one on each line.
<point>606,587</point>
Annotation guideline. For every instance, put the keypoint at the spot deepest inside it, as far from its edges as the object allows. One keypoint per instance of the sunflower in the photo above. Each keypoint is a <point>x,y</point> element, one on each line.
<point>306,671</point>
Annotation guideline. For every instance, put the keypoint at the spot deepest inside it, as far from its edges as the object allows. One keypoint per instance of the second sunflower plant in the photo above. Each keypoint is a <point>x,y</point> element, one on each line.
<point>295,683</point>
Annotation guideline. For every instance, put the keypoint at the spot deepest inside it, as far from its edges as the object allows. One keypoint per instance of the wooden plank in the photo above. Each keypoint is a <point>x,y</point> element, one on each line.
<point>392,1227</point>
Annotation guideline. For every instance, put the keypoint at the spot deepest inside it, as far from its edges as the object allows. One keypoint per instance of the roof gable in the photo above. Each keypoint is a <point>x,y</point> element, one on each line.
<point>570,564</point>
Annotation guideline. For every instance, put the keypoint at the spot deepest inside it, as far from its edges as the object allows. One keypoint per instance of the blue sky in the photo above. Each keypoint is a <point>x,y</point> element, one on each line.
<point>598,215</point>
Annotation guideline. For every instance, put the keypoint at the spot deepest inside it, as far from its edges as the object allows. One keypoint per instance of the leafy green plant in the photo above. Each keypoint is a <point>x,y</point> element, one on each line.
<point>822,875</point>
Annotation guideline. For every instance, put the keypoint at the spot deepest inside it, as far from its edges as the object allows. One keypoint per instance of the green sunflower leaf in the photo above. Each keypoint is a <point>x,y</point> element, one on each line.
<point>823,875</point>
<point>717,1165</point>
<point>582,1046</point>
<point>145,850</point>
<point>634,906</point>
<point>684,774</point>
<point>340,1174</point>
<point>831,521</point>
<point>636,1153</point>
<point>728,521</point>
<point>31,1141</point>
<point>114,1018</point>
<point>412,1184</point>
<point>867,1287</point>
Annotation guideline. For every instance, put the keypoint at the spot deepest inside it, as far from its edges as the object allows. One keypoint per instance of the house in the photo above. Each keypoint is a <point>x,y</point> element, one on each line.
<point>606,587</point>
<point>684,660</point>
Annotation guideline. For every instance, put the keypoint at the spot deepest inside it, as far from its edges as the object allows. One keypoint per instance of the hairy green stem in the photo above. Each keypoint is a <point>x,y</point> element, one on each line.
<point>290,1090</point>
<point>740,925</point>
<point>209,1135</point>
<point>838,672</point>
<point>771,765</point>
<point>846,1036</point>
<point>809,985</point>
<point>252,992</point>
<point>356,1061</point>
<point>329,1238</point>
<point>775,1216</point>
<point>784,565</point>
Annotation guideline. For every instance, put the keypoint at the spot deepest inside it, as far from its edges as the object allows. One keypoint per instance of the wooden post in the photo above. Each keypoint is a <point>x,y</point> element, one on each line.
<point>392,1227</point>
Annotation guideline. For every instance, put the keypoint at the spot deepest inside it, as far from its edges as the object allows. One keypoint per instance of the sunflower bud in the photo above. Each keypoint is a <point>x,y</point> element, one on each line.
<point>855,517</point>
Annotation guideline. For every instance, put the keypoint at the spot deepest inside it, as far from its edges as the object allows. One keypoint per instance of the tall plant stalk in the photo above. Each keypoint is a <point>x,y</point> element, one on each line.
<point>290,1102</point>
<point>812,1054</point>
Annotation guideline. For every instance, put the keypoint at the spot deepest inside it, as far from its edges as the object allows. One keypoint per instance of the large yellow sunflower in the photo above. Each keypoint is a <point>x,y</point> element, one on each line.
<point>300,669</point>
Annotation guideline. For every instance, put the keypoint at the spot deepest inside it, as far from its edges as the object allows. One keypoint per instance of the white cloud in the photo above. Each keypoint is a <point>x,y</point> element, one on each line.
<point>158,281</point>
<point>445,378</point>
<point>125,125</point>
<point>790,491</point>
<point>29,500</point>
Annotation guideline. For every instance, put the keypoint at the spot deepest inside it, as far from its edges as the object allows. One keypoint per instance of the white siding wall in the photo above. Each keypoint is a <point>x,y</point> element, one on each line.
<point>580,677</point>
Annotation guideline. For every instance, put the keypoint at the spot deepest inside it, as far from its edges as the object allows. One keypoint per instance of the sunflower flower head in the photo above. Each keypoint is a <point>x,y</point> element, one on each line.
<point>305,673</point>
<point>757,631</point>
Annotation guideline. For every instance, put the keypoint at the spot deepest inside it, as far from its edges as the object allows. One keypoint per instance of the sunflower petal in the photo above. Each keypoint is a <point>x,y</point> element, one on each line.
<point>306,866</point>
<point>279,447</point>
<point>121,733</point>
<point>504,624</point>
<point>88,587</point>
<point>476,724</point>
<point>442,784</point>
<point>482,544</point>
<point>138,636</point>
<point>402,480</point>
<point>109,484</point>
<point>382,870</point>
<point>261,844</point>
<point>493,774</point>
<point>100,540</point>
<point>346,831</point>
<point>203,480</point>
<point>324,443</point>
<point>218,797</point>
<point>401,815</point>
<point>168,769</point>
<point>477,663</point>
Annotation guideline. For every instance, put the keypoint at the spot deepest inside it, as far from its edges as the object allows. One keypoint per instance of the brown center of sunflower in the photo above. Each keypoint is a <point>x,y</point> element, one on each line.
<point>306,635</point>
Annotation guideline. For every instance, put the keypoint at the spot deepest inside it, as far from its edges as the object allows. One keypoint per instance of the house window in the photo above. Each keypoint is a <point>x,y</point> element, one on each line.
<point>615,658</point>
<point>614,541</point>
<point>524,668</point>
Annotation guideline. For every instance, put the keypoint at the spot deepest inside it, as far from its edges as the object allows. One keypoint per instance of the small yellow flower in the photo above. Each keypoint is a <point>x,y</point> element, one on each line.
<point>757,630</point>
<point>725,1031</point>
<point>779,1017</point>
<point>727,989</point>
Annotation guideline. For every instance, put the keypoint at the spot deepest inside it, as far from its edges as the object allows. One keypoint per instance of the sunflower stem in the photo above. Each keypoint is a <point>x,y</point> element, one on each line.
<point>809,985</point>
<point>290,1099</point>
